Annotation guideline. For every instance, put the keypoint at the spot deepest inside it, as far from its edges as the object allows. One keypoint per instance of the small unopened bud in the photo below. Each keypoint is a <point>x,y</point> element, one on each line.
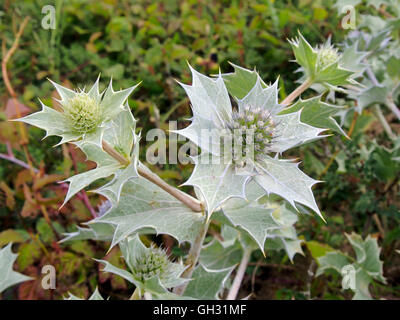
<point>327,56</point>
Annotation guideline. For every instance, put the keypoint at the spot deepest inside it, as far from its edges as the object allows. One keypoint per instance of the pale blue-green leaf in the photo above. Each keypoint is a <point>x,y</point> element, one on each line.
<point>352,59</point>
<point>291,132</point>
<point>145,205</point>
<point>108,267</point>
<point>251,215</point>
<point>113,101</point>
<point>371,95</point>
<point>94,92</point>
<point>64,93</point>
<point>317,113</point>
<point>332,260</point>
<point>82,180</point>
<point>305,54</point>
<point>95,296</point>
<point>112,190</point>
<point>96,231</point>
<point>291,247</point>
<point>206,284</point>
<point>209,98</point>
<point>121,132</point>
<point>262,97</point>
<point>52,121</point>
<point>215,256</point>
<point>204,133</point>
<point>334,75</point>
<point>9,277</point>
<point>285,179</point>
<point>367,253</point>
<point>217,182</point>
<point>363,280</point>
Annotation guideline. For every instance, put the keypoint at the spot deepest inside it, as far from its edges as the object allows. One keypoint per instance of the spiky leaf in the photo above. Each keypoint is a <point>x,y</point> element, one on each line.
<point>217,182</point>
<point>206,284</point>
<point>145,205</point>
<point>9,277</point>
<point>285,179</point>
<point>250,215</point>
<point>317,114</point>
<point>215,256</point>
<point>241,81</point>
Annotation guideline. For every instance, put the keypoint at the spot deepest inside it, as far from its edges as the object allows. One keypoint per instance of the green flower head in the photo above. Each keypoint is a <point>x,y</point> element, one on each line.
<point>85,114</point>
<point>150,263</point>
<point>327,55</point>
<point>324,64</point>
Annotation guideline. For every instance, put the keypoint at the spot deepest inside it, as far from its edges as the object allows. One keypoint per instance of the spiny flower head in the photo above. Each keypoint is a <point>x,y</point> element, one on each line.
<point>268,134</point>
<point>327,55</point>
<point>252,130</point>
<point>153,263</point>
<point>83,111</point>
<point>149,263</point>
<point>85,115</point>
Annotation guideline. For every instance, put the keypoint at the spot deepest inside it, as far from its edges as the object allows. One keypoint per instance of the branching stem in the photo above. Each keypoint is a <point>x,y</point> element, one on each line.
<point>185,198</point>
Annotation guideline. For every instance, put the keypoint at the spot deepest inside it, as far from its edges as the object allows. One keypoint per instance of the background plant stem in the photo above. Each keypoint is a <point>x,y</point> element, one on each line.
<point>146,173</point>
<point>193,257</point>
<point>239,275</point>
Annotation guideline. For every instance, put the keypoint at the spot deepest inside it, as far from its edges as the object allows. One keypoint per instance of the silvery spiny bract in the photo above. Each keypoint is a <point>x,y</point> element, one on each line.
<point>271,135</point>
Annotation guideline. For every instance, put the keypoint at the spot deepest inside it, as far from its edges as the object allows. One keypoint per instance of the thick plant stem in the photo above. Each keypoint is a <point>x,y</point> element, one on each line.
<point>114,153</point>
<point>135,295</point>
<point>298,91</point>
<point>188,200</point>
<point>193,257</point>
<point>239,275</point>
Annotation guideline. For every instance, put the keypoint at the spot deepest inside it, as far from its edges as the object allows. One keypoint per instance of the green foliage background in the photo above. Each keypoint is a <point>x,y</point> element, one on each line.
<point>152,41</point>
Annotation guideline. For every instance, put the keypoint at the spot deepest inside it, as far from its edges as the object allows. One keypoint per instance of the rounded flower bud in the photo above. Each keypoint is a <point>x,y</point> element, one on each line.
<point>154,262</point>
<point>83,112</point>
<point>327,56</point>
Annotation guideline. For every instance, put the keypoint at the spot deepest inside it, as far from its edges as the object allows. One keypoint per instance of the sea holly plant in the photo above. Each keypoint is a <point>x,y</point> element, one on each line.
<point>244,185</point>
<point>360,271</point>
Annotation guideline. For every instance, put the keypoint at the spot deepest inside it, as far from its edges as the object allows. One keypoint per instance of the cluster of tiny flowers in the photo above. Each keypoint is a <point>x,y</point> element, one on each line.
<point>151,264</point>
<point>83,112</point>
<point>326,56</point>
<point>252,130</point>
